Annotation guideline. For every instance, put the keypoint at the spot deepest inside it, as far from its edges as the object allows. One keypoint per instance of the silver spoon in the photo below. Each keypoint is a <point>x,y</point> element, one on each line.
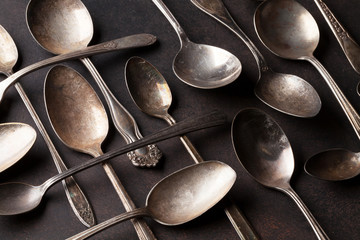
<point>16,139</point>
<point>286,93</point>
<point>265,152</point>
<point>201,65</point>
<point>288,30</point>
<point>65,26</point>
<point>80,121</point>
<point>347,43</point>
<point>151,93</point>
<point>334,165</point>
<point>132,41</point>
<point>76,198</point>
<point>17,198</point>
<point>180,197</point>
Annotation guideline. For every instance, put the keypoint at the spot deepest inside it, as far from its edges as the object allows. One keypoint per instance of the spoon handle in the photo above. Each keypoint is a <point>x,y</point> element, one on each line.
<point>349,110</point>
<point>320,233</point>
<point>125,123</point>
<point>132,41</point>
<point>347,43</point>
<point>108,223</point>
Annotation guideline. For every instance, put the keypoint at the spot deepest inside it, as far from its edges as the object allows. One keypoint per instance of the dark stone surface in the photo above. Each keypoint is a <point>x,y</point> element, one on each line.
<point>273,215</point>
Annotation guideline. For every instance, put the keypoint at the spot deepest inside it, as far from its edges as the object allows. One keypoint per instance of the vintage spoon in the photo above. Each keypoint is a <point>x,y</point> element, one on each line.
<point>65,26</point>
<point>151,93</point>
<point>334,165</point>
<point>288,30</point>
<point>265,152</point>
<point>17,198</point>
<point>286,93</point>
<point>201,65</point>
<point>16,139</point>
<point>76,198</point>
<point>180,197</point>
<point>132,41</point>
<point>80,121</point>
<point>347,43</point>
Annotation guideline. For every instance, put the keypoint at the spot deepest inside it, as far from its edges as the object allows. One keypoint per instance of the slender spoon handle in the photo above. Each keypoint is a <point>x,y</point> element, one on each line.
<point>234,214</point>
<point>124,123</point>
<point>347,43</point>
<point>320,233</point>
<point>133,41</point>
<point>108,223</point>
<point>349,110</point>
<point>76,197</point>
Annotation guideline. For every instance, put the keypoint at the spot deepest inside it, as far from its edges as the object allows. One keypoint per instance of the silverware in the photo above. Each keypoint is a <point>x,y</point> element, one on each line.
<point>170,203</point>
<point>151,93</point>
<point>286,93</point>
<point>65,26</point>
<point>74,194</point>
<point>17,198</point>
<point>265,153</point>
<point>201,65</point>
<point>281,23</point>
<point>16,139</point>
<point>347,43</point>
<point>80,121</point>
<point>132,41</point>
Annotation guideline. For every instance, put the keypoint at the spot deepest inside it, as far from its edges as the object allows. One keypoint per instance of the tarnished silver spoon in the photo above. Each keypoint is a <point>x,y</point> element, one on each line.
<point>286,93</point>
<point>265,152</point>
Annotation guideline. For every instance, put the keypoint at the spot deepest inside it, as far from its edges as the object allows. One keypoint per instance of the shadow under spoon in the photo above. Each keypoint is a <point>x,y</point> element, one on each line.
<point>75,196</point>
<point>286,93</point>
<point>65,26</point>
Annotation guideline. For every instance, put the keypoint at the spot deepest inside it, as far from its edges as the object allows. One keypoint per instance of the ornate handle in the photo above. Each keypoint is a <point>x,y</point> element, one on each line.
<point>347,43</point>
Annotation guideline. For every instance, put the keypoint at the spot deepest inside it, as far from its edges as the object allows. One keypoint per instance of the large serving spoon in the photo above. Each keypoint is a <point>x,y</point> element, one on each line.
<point>132,41</point>
<point>201,65</point>
<point>288,30</point>
<point>16,139</point>
<point>80,121</point>
<point>334,165</point>
<point>64,26</point>
<point>180,197</point>
<point>76,198</point>
<point>286,93</point>
<point>17,198</point>
<point>265,152</point>
<point>151,93</point>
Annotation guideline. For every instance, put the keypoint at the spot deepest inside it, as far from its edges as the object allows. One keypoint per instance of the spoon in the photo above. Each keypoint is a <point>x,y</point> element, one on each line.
<point>16,139</point>
<point>132,41</point>
<point>180,197</point>
<point>286,93</point>
<point>347,43</point>
<point>334,165</point>
<point>80,121</point>
<point>61,27</point>
<point>76,198</point>
<point>17,198</point>
<point>288,30</point>
<point>265,152</point>
<point>151,93</point>
<point>199,65</point>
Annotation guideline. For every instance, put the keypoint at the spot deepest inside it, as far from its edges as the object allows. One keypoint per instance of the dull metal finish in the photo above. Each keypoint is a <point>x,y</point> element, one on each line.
<point>80,121</point>
<point>16,139</point>
<point>180,197</point>
<point>151,93</point>
<point>347,43</point>
<point>288,30</point>
<point>265,153</point>
<point>76,197</point>
<point>65,26</point>
<point>286,93</point>
<point>201,65</point>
